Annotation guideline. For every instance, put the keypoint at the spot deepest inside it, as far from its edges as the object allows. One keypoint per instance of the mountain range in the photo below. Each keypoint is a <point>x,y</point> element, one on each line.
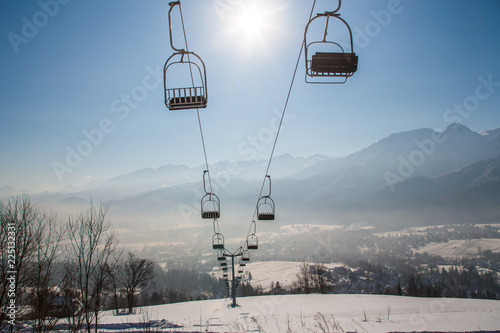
<point>417,177</point>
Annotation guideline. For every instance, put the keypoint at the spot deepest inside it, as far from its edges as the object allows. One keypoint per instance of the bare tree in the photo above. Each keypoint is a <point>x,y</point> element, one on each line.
<point>91,246</point>
<point>20,236</point>
<point>115,281</point>
<point>303,279</point>
<point>72,306</point>
<point>135,273</point>
<point>44,291</point>
<point>320,279</point>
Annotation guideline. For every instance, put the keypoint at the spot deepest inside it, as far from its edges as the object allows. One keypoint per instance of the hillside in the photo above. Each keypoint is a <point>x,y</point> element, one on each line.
<point>266,272</point>
<point>316,313</point>
<point>460,247</point>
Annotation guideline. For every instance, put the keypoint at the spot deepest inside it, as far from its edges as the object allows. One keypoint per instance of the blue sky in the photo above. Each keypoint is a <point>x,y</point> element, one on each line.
<point>74,67</point>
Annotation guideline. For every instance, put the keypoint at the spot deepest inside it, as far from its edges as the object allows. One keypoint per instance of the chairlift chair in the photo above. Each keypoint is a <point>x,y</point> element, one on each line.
<point>182,97</point>
<point>220,255</point>
<point>218,241</point>
<point>265,205</point>
<point>335,65</point>
<point>252,242</point>
<point>245,256</point>
<point>210,206</point>
<point>210,203</point>
<point>265,209</point>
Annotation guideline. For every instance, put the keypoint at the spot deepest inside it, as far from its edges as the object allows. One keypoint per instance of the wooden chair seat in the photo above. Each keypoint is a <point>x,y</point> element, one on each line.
<point>266,216</point>
<point>189,102</point>
<point>329,63</point>
<point>210,215</point>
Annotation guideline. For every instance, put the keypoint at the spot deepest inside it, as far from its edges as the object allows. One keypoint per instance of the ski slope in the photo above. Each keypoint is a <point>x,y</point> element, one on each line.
<point>284,272</point>
<point>314,313</point>
<point>461,247</point>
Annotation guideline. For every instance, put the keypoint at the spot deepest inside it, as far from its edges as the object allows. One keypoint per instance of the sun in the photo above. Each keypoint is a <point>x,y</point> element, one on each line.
<point>253,26</point>
<point>250,23</point>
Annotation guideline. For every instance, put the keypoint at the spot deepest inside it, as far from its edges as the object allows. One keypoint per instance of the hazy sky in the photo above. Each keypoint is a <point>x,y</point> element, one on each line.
<point>85,78</point>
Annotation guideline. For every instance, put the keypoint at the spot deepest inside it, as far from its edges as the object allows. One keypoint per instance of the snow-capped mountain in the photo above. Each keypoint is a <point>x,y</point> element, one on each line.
<point>426,170</point>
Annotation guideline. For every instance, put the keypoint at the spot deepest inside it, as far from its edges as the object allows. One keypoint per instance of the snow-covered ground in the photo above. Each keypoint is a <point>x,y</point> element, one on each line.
<point>265,272</point>
<point>315,313</point>
<point>401,233</point>
<point>300,228</point>
<point>461,247</point>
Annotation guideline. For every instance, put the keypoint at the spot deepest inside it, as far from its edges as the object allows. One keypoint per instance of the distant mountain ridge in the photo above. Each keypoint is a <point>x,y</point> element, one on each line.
<point>471,193</point>
<point>399,157</point>
<point>405,170</point>
<point>412,178</point>
<point>149,179</point>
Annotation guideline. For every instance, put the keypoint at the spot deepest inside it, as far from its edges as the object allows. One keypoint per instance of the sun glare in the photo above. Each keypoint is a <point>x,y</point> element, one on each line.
<point>250,23</point>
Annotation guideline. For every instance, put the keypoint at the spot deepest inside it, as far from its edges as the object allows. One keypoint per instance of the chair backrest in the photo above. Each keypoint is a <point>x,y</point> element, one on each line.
<point>178,94</point>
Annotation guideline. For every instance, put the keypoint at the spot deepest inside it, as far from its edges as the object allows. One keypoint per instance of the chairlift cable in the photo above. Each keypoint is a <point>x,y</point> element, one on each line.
<point>198,115</point>
<point>281,121</point>
<point>197,110</point>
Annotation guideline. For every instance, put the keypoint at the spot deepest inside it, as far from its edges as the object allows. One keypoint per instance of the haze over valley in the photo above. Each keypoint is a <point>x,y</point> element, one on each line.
<point>408,179</point>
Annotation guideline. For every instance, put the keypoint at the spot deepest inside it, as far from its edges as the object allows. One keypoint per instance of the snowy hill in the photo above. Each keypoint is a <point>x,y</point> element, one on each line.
<point>316,313</point>
<point>266,272</point>
<point>460,247</point>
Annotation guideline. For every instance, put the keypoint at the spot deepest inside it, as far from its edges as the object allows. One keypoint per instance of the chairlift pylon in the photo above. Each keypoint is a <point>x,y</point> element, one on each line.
<point>330,63</point>
<point>265,205</point>
<point>182,97</point>
<point>210,203</point>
